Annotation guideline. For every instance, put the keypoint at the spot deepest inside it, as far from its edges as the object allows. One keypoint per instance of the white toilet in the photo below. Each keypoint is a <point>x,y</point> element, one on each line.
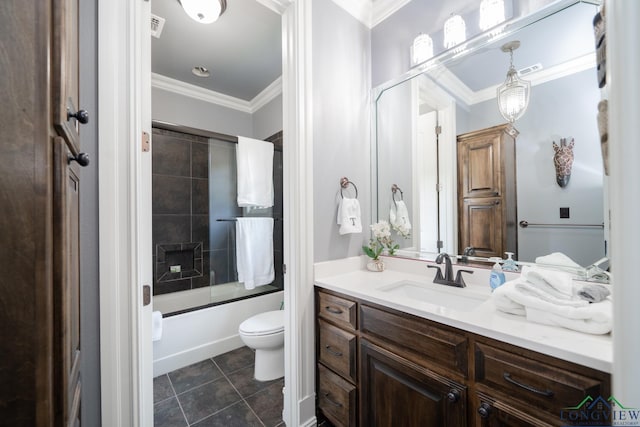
<point>264,332</point>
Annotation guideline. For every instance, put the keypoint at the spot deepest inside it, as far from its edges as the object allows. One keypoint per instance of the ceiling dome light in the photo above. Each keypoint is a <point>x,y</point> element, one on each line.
<point>513,94</point>
<point>422,48</point>
<point>204,11</point>
<point>491,13</point>
<point>200,71</point>
<point>455,31</point>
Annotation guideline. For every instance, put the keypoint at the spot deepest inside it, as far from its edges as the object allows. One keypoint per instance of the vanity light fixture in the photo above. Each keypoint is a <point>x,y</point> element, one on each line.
<point>455,31</point>
<point>204,11</point>
<point>491,13</point>
<point>513,94</point>
<point>422,48</point>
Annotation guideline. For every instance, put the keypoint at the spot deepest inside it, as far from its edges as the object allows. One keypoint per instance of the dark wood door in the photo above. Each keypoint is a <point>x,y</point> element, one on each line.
<point>479,166</point>
<point>66,286</point>
<point>396,392</point>
<point>68,115</point>
<point>481,225</point>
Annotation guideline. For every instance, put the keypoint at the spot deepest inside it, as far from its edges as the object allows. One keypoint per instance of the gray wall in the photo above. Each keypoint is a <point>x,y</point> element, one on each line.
<point>268,120</point>
<point>341,125</point>
<point>182,110</point>
<point>89,255</point>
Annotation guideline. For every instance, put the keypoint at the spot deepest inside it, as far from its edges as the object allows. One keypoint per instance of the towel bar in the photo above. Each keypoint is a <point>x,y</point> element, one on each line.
<point>525,224</point>
<point>344,183</point>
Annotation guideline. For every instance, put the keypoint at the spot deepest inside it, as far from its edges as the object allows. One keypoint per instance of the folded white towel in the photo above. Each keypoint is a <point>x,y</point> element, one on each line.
<point>156,326</point>
<point>535,291</point>
<point>399,215</point>
<point>349,217</point>
<point>254,251</point>
<point>557,258</point>
<point>254,159</point>
<point>556,283</point>
<point>596,318</point>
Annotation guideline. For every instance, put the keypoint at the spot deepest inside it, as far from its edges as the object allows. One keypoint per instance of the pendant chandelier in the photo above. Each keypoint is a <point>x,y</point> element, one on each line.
<point>204,11</point>
<point>513,94</point>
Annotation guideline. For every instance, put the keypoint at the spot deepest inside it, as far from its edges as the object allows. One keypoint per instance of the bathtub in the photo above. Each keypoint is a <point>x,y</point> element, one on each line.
<point>197,335</point>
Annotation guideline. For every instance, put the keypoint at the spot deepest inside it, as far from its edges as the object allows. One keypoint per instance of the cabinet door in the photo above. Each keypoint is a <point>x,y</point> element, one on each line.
<point>396,392</point>
<point>481,225</point>
<point>66,287</point>
<point>65,73</point>
<point>490,412</point>
<point>479,170</point>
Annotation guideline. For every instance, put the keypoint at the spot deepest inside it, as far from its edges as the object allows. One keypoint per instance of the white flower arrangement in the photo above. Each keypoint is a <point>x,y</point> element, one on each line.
<point>382,239</point>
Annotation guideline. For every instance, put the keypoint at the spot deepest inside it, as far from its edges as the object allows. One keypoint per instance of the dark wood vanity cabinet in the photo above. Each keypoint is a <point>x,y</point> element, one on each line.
<point>409,371</point>
<point>487,191</point>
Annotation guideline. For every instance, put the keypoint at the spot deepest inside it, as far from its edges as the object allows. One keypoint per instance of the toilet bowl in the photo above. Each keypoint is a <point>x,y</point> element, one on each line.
<point>264,333</point>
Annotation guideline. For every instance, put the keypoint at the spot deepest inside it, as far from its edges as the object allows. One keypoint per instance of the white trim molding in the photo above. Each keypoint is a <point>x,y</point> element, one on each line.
<point>382,9</point>
<point>371,12</point>
<point>196,92</point>
<point>278,6</point>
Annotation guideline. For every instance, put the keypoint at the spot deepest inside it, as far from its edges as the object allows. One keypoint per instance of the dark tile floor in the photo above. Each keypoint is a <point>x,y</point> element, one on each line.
<point>217,392</point>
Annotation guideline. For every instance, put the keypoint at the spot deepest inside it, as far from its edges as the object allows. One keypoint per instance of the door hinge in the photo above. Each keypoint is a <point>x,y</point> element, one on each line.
<point>146,295</point>
<point>284,268</point>
<point>146,142</point>
<point>438,130</point>
<point>438,188</point>
<point>439,244</point>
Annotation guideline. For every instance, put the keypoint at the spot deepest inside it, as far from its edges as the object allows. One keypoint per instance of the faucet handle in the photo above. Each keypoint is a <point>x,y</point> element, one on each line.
<point>438,273</point>
<point>460,279</point>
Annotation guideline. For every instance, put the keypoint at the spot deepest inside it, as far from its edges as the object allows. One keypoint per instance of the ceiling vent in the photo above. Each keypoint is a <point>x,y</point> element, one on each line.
<point>157,24</point>
<point>530,69</point>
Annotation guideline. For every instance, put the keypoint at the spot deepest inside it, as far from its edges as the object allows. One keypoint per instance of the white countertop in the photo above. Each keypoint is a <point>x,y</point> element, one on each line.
<point>349,277</point>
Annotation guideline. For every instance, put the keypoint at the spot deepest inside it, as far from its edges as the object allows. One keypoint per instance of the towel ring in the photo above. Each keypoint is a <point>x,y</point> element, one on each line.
<point>394,190</point>
<point>344,183</point>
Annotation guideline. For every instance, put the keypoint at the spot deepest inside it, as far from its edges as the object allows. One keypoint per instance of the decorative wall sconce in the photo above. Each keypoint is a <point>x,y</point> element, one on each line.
<point>491,13</point>
<point>204,11</point>
<point>513,94</point>
<point>455,31</point>
<point>422,49</point>
<point>563,161</point>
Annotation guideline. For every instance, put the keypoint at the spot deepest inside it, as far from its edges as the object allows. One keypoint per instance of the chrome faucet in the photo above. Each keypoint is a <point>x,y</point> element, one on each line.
<point>448,272</point>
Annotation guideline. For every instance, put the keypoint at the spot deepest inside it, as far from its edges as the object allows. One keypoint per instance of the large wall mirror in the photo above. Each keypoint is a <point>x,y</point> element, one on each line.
<point>456,94</point>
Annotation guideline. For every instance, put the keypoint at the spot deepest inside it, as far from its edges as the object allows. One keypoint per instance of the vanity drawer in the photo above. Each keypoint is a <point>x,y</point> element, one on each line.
<point>338,350</point>
<point>336,398</point>
<point>339,310</point>
<point>418,340</point>
<point>523,376</point>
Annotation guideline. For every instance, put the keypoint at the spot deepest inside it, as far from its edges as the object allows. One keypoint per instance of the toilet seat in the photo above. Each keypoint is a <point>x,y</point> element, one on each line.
<point>267,323</point>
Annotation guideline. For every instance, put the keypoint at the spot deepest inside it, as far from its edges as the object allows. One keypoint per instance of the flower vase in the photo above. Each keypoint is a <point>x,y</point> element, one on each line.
<point>375,265</point>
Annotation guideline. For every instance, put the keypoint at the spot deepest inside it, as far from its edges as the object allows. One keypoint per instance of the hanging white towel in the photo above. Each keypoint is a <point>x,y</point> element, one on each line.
<point>349,217</point>
<point>254,251</point>
<point>255,172</point>
<point>156,326</point>
<point>399,215</point>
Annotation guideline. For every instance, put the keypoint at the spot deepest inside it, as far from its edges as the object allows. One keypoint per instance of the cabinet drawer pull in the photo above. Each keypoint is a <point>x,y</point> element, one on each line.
<point>334,403</point>
<point>333,310</point>
<point>453,396</point>
<point>484,410</point>
<point>546,393</point>
<point>332,351</point>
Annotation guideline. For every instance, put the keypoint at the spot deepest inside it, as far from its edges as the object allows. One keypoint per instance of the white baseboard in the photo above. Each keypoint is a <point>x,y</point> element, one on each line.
<point>195,354</point>
<point>308,411</point>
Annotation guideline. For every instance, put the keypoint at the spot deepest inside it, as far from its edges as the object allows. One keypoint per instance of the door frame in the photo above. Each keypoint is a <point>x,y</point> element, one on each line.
<point>125,211</point>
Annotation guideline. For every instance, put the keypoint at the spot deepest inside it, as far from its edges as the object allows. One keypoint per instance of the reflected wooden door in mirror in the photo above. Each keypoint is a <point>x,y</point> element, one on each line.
<point>487,191</point>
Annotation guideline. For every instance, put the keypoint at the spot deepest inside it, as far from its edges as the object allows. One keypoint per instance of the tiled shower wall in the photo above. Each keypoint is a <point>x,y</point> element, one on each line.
<point>188,198</point>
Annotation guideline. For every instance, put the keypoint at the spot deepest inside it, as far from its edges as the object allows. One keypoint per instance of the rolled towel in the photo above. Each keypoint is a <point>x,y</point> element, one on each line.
<point>593,293</point>
<point>556,283</point>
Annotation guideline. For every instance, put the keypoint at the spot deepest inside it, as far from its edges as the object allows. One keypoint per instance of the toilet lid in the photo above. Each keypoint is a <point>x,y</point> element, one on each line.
<point>264,323</point>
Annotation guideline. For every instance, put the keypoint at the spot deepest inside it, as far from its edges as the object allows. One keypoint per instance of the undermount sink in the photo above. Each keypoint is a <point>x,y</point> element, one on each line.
<point>460,299</point>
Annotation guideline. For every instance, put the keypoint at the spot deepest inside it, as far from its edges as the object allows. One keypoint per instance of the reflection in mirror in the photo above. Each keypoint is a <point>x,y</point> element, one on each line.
<point>418,119</point>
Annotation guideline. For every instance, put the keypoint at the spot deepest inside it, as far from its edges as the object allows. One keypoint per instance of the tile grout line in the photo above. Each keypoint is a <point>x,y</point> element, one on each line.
<point>240,394</point>
<point>178,400</point>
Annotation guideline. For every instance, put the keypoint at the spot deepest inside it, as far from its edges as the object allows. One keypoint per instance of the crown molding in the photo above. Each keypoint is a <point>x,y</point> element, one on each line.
<point>359,9</point>
<point>196,92</point>
<point>461,91</point>
<point>382,9</point>
<point>267,95</point>
<point>278,6</point>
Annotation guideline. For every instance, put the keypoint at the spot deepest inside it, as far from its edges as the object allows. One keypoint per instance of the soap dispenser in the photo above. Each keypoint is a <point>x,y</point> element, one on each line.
<point>497,277</point>
<point>509,264</point>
